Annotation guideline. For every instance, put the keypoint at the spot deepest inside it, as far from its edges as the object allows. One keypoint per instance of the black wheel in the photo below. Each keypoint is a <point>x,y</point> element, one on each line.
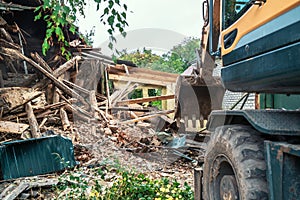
<point>234,165</point>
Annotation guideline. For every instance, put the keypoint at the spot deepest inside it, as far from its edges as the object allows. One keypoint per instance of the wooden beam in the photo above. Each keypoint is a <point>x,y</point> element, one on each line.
<point>139,80</point>
<point>148,99</point>
<point>147,117</point>
<point>53,78</point>
<point>126,109</point>
<point>149,76</point>
<point>58,72</point>
<point>64,119</point>
<point>34,126</point>
<point>12,127</point>
<point>37,58</point>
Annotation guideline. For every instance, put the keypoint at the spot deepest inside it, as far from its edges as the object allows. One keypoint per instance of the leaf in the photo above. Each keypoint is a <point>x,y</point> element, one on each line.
<point>125,6</point>
<point>110,45</point>
<point>111,4</point>
<point>112,39</point>
<point>123,14</point>
<point>106,11</point>
<point>37,17</point>
<point>124,34</point>
<point>110,31</point>
<point>111,20</point>
<point>49,32</point>
<point>49,24</point>
<point>63,50</point>
<point>45,47</point>
<point>117,2</point>
<point>59,34</point>
<point>37,8</point>
<point>72,29</point>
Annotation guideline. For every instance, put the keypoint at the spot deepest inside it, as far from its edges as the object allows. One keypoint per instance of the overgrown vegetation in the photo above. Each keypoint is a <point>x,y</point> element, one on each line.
<point>60,16</point>
<point>178,59</point>
<point>85,183</point>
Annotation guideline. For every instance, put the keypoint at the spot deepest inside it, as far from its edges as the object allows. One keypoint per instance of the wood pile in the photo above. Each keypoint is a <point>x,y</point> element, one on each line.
<point>76,99</point>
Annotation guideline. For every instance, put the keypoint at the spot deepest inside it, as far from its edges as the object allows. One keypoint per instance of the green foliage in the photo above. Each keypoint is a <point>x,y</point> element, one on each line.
<point>176,60</point>
<point>126,185</point>
<point>61,15</point>
<point>88,36</point>
<point>186,49</point>
<point>142,58</point>
<point>138,186</point>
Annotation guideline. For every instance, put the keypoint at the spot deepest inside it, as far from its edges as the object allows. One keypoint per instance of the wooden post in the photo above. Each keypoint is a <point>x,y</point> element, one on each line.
<point>93,103</point>
<point>34,126</point>
<point>64,119</point>
<point>107,91</point>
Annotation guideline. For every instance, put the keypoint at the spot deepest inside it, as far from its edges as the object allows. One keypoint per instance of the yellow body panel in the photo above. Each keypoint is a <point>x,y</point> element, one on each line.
<point>255,17</point>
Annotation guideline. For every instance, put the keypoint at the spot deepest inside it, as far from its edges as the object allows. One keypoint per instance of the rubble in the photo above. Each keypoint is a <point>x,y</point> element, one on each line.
<point>76,99</point>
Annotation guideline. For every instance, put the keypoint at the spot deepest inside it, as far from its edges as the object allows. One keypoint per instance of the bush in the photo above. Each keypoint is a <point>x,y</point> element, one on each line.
<point>126,186</point>
<point>138,186</point>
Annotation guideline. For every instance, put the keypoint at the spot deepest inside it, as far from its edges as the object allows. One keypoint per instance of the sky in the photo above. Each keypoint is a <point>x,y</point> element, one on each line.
<point>154,24</point>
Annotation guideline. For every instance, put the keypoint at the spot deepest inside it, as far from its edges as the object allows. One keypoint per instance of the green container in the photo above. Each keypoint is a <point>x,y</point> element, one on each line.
<point>279,101</point>
<point>35,156</point>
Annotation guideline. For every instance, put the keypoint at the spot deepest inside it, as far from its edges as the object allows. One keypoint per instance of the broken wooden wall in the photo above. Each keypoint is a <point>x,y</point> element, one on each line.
<point>147,79</point>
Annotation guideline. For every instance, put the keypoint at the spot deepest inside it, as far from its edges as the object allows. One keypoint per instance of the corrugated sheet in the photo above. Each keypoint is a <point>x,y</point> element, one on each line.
<point>35,156</point>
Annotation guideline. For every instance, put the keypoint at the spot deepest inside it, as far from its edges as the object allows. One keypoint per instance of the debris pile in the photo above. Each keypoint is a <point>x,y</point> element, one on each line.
<point>77,99</point>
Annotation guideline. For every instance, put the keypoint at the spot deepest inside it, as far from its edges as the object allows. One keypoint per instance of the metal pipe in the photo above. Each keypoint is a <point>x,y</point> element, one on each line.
<point>211,22</point>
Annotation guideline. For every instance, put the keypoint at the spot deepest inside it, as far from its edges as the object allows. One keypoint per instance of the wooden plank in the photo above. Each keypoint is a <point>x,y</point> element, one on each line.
<point>147,117</point>
<point>53,78</point>
<point>12,127</point>
<point>34,126</point>
<point>56,73</point>
<point>133,70</point>
<point>41,61</point>
<point>140,80</point>
<point>127,109</point>
<point>148,99</point>
<point>18,190</point>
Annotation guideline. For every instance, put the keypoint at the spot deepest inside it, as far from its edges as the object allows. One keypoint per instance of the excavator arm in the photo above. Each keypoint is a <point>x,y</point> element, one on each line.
<point>198,92</point>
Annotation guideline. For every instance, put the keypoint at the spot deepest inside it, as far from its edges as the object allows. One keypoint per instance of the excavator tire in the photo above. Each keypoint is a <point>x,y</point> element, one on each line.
<point>234,165</point>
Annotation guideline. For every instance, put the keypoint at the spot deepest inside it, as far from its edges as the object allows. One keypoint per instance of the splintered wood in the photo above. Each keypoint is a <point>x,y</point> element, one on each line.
<point>58,101</point>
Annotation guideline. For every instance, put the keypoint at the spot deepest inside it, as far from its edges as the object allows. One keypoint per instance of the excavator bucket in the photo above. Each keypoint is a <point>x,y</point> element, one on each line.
<point>195,100</point>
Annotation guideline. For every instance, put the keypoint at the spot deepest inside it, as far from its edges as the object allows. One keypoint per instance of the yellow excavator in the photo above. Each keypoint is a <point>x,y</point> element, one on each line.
<point>251,154</point>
